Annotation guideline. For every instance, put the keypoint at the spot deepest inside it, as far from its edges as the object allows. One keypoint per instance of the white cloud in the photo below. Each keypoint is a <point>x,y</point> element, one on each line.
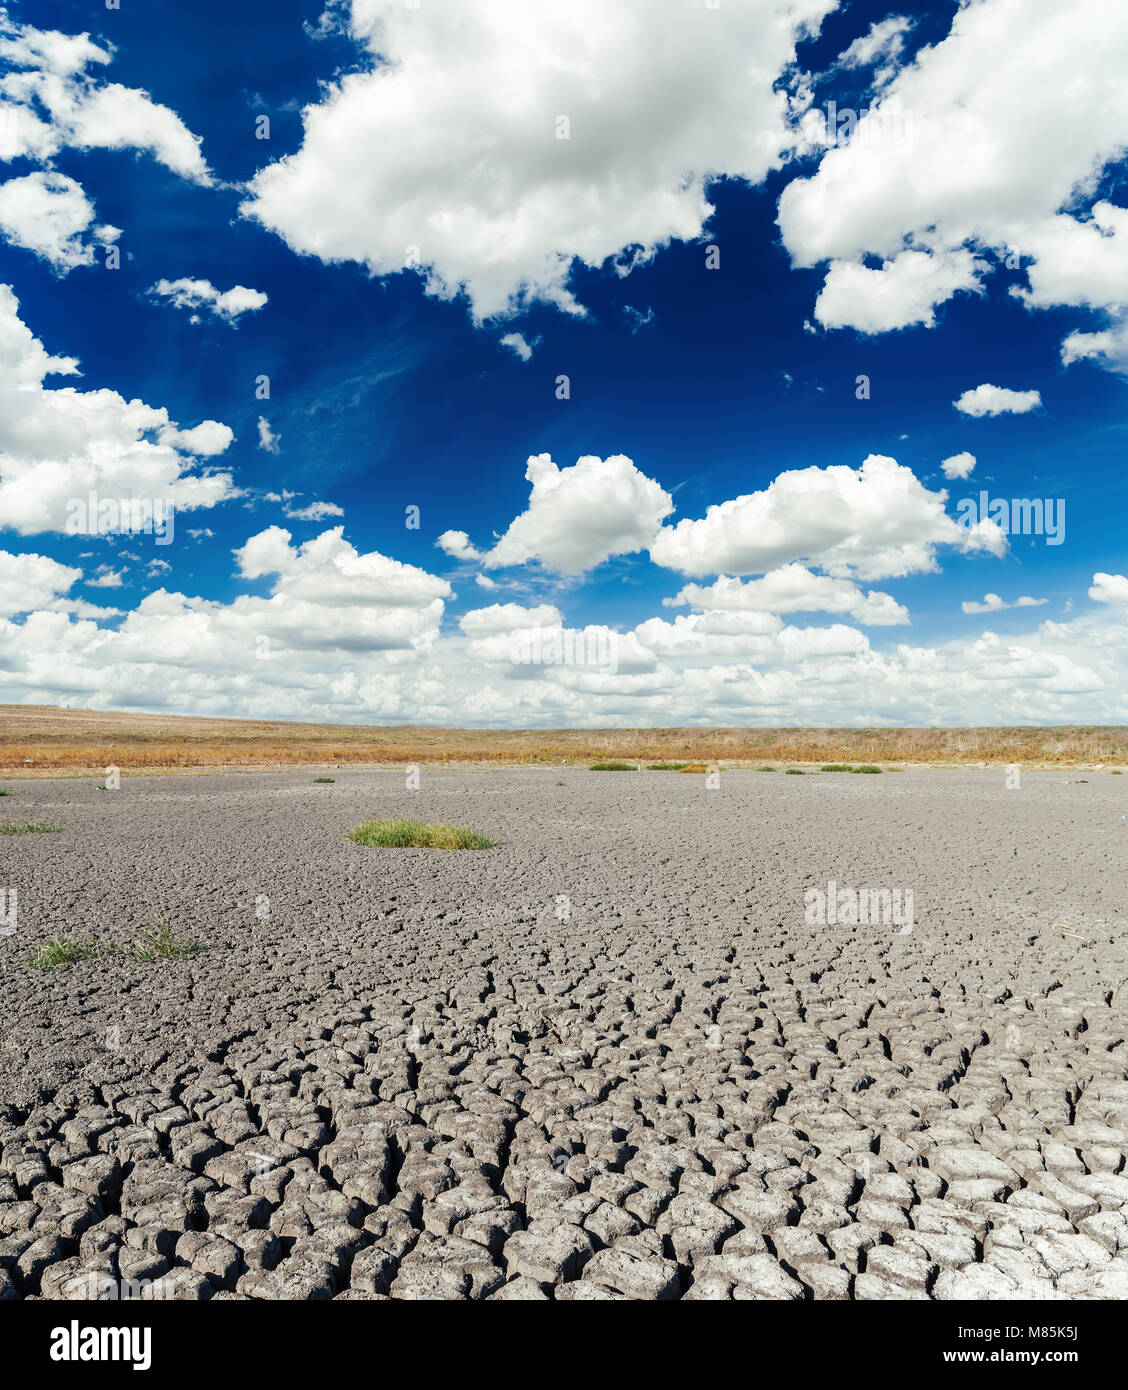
<point>964,153</point>
<point>457,543</point>
<point>48,214</point>
<point>903,292</point>
<point>314,511</point>
<point>992,603</point>
<point>884,41</point>
<point>50,103</point>
<point>267,439</point>
<point>877,521</point>
<point>508,617</point>
<point>997,400</point>
<point>793,589</point>
<point>61,444</point>
<point>516,343</point>
<point>1109,588</point>
<point>580,516</point>
<point>448,142</point>
<point>28,582</point>
<point>202,294</point>
<point>59,105</point>
<point>958,466</point>
<point>106,577</point>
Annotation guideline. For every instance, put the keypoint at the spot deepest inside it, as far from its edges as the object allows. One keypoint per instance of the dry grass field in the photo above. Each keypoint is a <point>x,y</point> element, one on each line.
<point>41,740</point>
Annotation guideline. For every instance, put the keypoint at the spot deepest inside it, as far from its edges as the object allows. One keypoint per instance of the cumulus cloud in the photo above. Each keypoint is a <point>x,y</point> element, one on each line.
<point>958,466</point>
<point>48,214</point>
<point>517,344</point>
<point>903,292</point>
<point>508,617</point>
<point>880,47</point>
<point>492,146</point>
<point>457,543</point>
<point>267,439</point>
<point>50,102</point>
<point>873,522</point>
<point>997,400</point>
<point>793,589</point>
<point>58,104</point>
<point>61,444</point>
<point>580,516</point>
<point>106,577</point>
<point>1109,588</point>
<point>961,154</point>
<point>992,603</point>
<point>28,582</point>
<point>191,294</point>
<point>314,511</point>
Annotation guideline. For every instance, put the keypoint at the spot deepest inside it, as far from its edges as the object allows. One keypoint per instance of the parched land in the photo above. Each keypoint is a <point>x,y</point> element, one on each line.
<point>614,1055</point>
<point>40,740</point>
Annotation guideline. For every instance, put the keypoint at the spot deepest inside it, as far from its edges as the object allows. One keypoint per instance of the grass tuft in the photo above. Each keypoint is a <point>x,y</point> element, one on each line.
<point>414,834</point>
<point>613,767</point>
<point>795,772</point>
<point>157,944</point>
<point>61,950</point>
<point>4,791</point>
<point>866,767</point>
<point>666,767</point>
<point>836,767</point>
<point>764,768</point>
<point>324,779</point>
<point>28,827</point>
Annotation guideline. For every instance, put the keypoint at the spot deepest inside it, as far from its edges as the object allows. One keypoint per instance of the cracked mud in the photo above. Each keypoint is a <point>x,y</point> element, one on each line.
<point>607,1059</point>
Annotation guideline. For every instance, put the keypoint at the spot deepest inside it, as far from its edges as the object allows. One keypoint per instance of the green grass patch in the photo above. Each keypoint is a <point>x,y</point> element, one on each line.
<point>763,768</point>
<point>61,950</point>
<point>836,767</point>
<point>324,779</point>
<point>613,767</point>
<point>666,767</point>
<point>866,767</point>
<point>28,827</point>
<point>4,791</point>
<point>414,834</point>
<point>153,945</point>
<point>795,772</point>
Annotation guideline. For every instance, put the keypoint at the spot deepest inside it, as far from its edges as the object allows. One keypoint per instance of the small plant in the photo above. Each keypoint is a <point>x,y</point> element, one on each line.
<point>560,784</point>
<point>414,834</point>
<point>866,767</point>
<point>28,827</point>
<point>764,768</point>
<point>59,951</point>
<point>795,772</point>
<point>613,767</point>
<point>1113,772</point>
<point>694,767</point>
<point>836,767</point>
<point>666,767</point>
<point>4,791</point>
<point>324,779</point>
<point>159,944</point>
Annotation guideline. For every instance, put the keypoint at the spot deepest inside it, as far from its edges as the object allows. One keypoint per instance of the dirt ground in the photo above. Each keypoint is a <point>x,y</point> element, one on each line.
<point>617,1055</point>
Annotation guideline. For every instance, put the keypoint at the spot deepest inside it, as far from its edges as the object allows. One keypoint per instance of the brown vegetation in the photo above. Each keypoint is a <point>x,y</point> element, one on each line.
<point>39,740</point>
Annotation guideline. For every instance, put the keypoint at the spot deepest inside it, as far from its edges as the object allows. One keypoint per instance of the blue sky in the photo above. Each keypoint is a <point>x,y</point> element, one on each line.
<point>717,384</point>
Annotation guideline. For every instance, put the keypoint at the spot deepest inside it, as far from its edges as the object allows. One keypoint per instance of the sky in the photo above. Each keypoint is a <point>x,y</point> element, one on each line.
<point>623,363</point>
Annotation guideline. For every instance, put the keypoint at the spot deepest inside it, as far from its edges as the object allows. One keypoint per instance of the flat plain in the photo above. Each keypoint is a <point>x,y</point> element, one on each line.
<point>608,1058</point>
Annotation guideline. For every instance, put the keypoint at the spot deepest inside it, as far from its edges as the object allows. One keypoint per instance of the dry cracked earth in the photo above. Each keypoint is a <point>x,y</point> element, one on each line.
<point>607,1059</point>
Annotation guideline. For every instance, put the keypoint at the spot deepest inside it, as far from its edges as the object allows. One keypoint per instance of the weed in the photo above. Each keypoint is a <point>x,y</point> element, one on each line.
<point>413,834</point>
<point>613,767</point>
<point>28,827</point>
